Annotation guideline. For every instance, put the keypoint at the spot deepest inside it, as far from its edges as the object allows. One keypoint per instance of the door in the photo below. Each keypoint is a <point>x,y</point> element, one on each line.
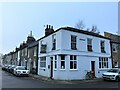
<point>93,68</point>
<point>51,68</point>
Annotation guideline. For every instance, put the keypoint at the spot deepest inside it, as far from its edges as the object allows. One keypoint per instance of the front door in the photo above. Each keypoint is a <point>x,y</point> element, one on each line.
<point>51,68</point>
<point>93,68</point>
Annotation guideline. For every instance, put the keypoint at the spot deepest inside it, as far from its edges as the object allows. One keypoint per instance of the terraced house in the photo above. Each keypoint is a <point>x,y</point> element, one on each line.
<point>68,53</point>
<point>22,55</point>
<point>65,54</point>
<point>115,43</point>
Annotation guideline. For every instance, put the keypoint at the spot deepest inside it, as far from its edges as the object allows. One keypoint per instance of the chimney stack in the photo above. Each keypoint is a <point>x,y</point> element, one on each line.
<point>49,27</point>
<point>30,33</point>
<point>49,30</point>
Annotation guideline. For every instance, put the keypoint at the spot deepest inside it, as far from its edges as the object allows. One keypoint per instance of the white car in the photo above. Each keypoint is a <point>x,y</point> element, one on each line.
<point>21,70</point>
<point>112,74</point>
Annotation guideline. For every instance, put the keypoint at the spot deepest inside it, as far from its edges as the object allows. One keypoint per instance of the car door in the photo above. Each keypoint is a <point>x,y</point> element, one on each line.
<point>119,74</point>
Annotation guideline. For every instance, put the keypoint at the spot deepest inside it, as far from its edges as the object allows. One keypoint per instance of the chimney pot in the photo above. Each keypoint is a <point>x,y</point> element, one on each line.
<point>31,33</point>
<point>49,26</point>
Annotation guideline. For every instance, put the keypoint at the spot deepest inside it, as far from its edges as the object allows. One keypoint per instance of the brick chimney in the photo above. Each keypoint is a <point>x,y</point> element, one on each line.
<point>48,30</point>
<point>30,38</point>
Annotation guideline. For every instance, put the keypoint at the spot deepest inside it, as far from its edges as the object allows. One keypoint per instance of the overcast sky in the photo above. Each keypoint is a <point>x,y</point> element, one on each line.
<point>18,19</point>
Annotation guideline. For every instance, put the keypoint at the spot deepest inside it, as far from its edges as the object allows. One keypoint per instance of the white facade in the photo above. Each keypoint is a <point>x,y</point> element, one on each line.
<point>82,62</point>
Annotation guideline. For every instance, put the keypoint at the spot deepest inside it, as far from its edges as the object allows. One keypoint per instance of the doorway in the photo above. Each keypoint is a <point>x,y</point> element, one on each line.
<point>51,68</point>
<point>93,69</point>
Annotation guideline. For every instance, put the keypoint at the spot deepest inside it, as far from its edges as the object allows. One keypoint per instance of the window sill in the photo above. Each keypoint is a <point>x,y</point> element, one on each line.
<point>73,69</point>
<point>103,69</point>
<point>42,68</point>
<point>115,51</point>
<point>62,69</point>
<point>55,69</point>
<point>103,51</point>
<point>90,50</point>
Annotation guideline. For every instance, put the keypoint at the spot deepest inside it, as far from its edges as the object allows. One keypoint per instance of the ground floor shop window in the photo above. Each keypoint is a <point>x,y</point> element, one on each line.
<point>55,62</point>
<point>103,62</point>
<point>73,62</point>
<point>43,62</point>
<point>62,61</point>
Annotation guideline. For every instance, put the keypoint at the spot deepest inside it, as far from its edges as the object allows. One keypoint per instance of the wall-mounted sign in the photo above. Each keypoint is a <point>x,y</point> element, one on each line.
<point>82,39</point>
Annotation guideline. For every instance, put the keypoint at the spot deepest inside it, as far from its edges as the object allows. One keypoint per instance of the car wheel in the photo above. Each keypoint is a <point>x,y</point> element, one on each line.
<point>117,79</point>
<point>104,79</point>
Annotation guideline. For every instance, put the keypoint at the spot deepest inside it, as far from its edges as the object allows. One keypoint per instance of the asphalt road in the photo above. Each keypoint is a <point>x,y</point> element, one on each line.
<point>11,81</point>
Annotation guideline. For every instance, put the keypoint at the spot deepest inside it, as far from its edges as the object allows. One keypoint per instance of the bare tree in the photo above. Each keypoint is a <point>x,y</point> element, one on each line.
<point>95,29</point>
<point>80,25</point>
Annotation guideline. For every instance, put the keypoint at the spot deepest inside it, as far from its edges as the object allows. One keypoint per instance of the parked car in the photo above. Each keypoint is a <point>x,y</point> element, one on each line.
<point>11,69</point>
<point>4,67</point>
<point>112,74</point>
<point>21,70</point>
<point>8,68</point>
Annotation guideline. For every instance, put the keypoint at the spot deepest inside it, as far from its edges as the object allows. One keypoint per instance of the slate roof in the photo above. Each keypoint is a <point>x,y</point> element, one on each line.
<point>78,31</point>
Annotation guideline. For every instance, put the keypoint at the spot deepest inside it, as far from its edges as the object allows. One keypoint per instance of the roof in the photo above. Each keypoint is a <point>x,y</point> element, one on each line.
<point>78,31</point>
<point>35,43</point>
<point>114,38</point>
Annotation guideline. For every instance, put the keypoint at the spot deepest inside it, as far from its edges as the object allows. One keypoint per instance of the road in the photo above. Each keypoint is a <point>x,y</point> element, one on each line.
<point>11,81</point>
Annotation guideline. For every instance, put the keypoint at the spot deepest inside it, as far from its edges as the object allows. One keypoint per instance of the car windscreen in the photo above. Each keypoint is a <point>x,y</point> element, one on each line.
<point>113,70</point>
<point>21,68</point>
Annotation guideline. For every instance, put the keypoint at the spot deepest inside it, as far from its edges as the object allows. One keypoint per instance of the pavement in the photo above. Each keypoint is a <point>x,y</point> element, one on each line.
<point>43,78</point>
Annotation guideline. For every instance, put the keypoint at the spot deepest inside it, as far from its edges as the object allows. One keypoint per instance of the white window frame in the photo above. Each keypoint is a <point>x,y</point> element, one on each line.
<point>103,62</point>
<point>64,63</point>
<point>55,62</point>
<point>73,60</point>
<point>25,51</point>
<point>35,51</point>
<point>89,43</point>
<point>54,41</point>
<point>102,45</point>
<point>43,61</point>
<point>74,42</point>
<point>114,46</point>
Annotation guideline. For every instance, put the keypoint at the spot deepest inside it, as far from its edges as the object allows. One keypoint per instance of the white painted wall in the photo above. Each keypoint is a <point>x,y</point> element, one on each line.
<point>82,45</point>
<point>48,41</point>
<point>83,65</point>
<point>44,71</point>
<point>84,58</point>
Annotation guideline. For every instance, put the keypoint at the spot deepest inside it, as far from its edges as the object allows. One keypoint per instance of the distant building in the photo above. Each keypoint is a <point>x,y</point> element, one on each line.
<point>1,58</point>
<point>118,32</point>
<point>68,53</point>
<point>24,55</point>
<point>32,63</point>
<point>115,43</point>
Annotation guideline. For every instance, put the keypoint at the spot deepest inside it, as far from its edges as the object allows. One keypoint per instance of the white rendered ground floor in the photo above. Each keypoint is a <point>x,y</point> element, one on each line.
<point>72,67</point>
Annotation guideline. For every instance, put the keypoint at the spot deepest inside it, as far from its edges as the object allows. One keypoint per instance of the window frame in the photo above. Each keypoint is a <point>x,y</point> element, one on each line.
<point>89,45</point>
<point>43,61</point>
<point>54,42</point>
<point>102,46</point>
<point>55,62</point>
<point>114,46</point>
<point>103,63</point>
<point>73,42</point>
<point>73,59</point>
<point>64,63</point>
